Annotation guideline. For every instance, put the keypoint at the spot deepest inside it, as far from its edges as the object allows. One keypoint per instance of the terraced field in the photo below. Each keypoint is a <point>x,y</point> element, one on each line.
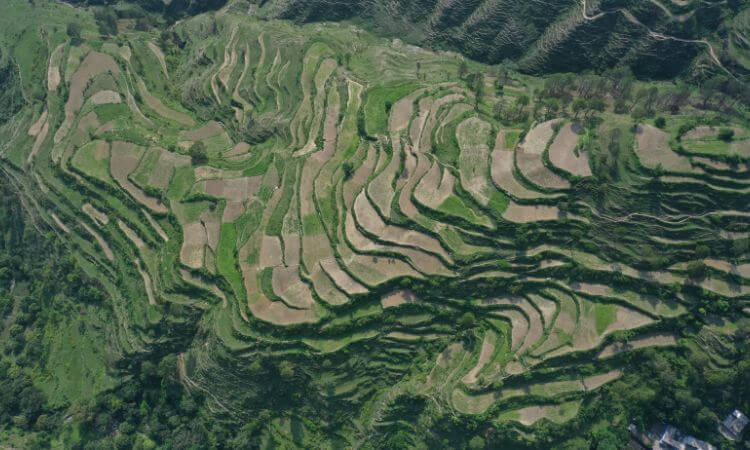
<point>348,210</point>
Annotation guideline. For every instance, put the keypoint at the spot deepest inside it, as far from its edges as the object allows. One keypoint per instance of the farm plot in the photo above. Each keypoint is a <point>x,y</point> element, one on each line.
<point>502,172</point>
<point>124,159</point>
<point>564,154</point>
<point>652,340</point>
<point>473,136</point>
<point>653,150</point>
<point>555,413</point>
<point>94,64</point>
<point>93,159</point>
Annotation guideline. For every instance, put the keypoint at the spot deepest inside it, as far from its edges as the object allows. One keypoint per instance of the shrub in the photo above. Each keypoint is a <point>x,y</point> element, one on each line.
<point>198,153</point>
<point>74,33</point>
<point>726,134</point>
<point>660,122</point>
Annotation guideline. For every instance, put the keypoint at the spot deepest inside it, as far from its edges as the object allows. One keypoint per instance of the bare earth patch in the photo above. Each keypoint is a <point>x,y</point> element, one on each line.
<point>97,216</point>
<point>146,283</point>
<point>124,159</point>
<point>342,279</point>
<point>653,150</point>
<point>100,240</point>
<point>397,298</point>
<point>488,348</point>
<point>652,340</point>
<point>530,213</point>
<point>193,244</point>
<point>53,71</point>
<point>208,130</point>
<point>94,64</point>
<point>562,153</point>
<point>37,126</point>
<point>106,97</point>
<point>596,381</point>
<point>132,235</point>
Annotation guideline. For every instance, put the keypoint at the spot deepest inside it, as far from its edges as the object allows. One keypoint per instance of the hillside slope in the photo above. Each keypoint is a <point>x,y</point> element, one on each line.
<point>541,36</point>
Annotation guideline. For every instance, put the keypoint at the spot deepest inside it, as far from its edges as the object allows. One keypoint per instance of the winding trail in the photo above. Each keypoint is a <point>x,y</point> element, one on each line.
<point>658,36</point>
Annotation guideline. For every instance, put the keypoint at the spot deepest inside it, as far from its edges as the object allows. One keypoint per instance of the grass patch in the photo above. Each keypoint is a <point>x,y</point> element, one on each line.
<point>511,139</point>
<point>379,102</point>
<point>311,225</point>
<point>90,162</point>
<point>111,111</point>
<point>226,255</point>
<point>709,146</point>
<point>605,316</point>
<point>454,206</point>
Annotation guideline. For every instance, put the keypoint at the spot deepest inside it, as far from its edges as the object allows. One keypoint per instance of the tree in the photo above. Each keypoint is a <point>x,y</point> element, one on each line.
<point>198,153</point>
<point>74,33</point>
<point>477,443</point>
<point>467,320</point>
<point>696,270</point>
<point>463,68</point>
<point>726,134</point>
<point>579,105</point>
<point>286,369</point>
<point>348,168</point>
<point>522,101</point>
<point>596,104</point>
<point>638,113</point>
<point>106,19</point>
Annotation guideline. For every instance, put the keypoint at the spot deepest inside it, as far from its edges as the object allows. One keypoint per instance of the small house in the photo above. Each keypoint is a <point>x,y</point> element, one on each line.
<point>733,426</point>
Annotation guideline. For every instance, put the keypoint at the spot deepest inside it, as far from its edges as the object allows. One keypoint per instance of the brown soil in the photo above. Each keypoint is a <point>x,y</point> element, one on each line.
<point>397,298</point>
<point>146,283</point>
<point>536,140</point>
<point>97,216</point>
<point>342,279</point>
<point>194,241</point>
<point>162,110</point>
<point>102,243</point>
<point>288,285</point>
<point>563,155</point>
<point>596,381</point>
<point>530,213</point>
<point>532,167</point>
<point>653,149</point>
<point>652,340</point>
<point>371,221</point>
<point>488,348</point>
<point>53,71</point>
<point>239,149</point>
<point>208,130</point>
<point>155,225</point>
<point>237,189</point>
<point>232,211</point>
<point>433,189</point>
<point>132,235</point>
<point>124,159</point>
<point>94,64</point>
<point>36,128</point>
<point>60,223</point>
<point>106,97</point>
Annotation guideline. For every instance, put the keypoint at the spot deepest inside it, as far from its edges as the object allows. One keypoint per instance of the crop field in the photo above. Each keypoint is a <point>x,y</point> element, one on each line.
<point>311,195</point>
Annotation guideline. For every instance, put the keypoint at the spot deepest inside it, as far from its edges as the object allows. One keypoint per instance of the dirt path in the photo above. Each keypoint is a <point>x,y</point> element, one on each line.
<point>658,36</point>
